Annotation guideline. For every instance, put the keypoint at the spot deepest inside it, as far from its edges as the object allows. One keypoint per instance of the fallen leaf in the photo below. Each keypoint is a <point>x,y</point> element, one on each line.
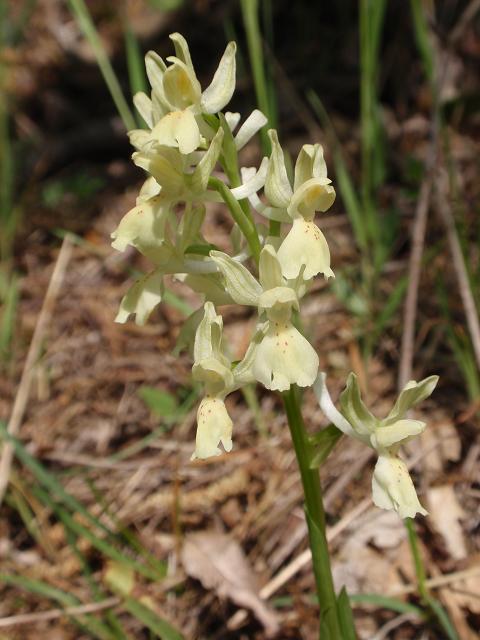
<point>361,568</point>
<point>445,513</point>
<point>441,443</point>
<point>383,528</point>
<point>218,561</point>
<point>467,591</point>
<point>120,578</point>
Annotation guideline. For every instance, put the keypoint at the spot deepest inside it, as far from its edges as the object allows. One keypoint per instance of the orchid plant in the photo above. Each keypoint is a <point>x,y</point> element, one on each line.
<point>189,151</point>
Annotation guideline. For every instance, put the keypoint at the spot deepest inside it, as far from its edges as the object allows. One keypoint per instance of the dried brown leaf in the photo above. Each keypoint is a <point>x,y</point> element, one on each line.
<point>446,513</point>
<point>218,561</point>
<point>467,591</point>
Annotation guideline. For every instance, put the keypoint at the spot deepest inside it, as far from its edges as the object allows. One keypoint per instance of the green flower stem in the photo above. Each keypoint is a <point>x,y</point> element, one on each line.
<point>315,518</point>
<point>247,226</point>
<point>417,559</point>
<point>435,607</point>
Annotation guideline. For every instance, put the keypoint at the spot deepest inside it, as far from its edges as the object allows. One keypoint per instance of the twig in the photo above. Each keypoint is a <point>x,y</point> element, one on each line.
<point>393,624</point>
<point>24,387</point>
<point>52,614</point>
<point>444,211</point>
<point>464,21</point>
<point>438,581</point>
<point>414,269</point>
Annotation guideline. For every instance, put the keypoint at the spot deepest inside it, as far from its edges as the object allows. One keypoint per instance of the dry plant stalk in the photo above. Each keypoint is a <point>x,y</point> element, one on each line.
<point>24,387</point>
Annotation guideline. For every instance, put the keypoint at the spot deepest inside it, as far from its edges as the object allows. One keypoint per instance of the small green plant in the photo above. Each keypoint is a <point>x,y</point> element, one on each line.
<point>187,136</point>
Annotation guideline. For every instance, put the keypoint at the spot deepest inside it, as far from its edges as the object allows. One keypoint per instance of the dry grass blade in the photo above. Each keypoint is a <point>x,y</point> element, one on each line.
<point>52,614</point>
<point>23,391</point>
<point>414,270</point>
<point>438,581</point>
<point>444,211</point>
<point>384,632</point>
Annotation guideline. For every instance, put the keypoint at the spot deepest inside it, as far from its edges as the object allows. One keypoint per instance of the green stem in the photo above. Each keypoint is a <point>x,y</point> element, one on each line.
<point>247,227</point>
<point>315,514</point>
<point>417,559</point>
<point>255,50</point>
<point>229,162</point>
<point>436,609</point>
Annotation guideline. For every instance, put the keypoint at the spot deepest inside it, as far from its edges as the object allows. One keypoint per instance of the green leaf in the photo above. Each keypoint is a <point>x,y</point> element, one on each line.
<point>103,546</point>
<point>88,623</point>
<point>443,619</point>
<point>345,616</point>
<point>80,11</point>
<point>161,403</point>
<point>166,5</point>
<point>135,63</point>
<point>393,604</point>
<point>322,443</point>
<point>49,481</point>
<point>329,623</point>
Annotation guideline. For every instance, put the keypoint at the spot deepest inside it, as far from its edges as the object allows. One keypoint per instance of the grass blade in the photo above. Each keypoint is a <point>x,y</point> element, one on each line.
<point>81,13</point>
<point>384,602</point>
<point>345,616</point>
<point>422,36</point>
<point>434,606</point>
<point>250,14</point>
<point>49,481</point>
<point>7,321</point>
<point>102,545</point>
<point>345,182</point>
<point>88,623</point>
<point>153,621</point>
<point>136,66</point>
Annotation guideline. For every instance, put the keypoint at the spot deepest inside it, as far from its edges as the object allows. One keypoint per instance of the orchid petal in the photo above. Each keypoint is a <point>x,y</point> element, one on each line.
<point>284,357</point>
<point>277,186</point>
<point>221,89</point>
<point>143,104</point>
<point>239,282</point>
<point>393,488</point>
<point>214,426</point>
<point>255,121</point>
<point>142,298</point>
<point>304,246</point>
<point>178,129</point>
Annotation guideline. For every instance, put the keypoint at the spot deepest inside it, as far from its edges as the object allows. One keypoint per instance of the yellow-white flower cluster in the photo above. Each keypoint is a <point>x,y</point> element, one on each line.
<point>186,140</point>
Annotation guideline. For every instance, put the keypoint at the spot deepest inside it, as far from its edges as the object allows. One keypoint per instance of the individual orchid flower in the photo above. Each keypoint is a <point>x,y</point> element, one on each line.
<point>215,371</point>
<point>179,177</point>
<point>177,101</point>
<point>304,249</point>
<point>392,485</point>
<point>281,355</point>
<point>151,228</point>
<point>212,368</point>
